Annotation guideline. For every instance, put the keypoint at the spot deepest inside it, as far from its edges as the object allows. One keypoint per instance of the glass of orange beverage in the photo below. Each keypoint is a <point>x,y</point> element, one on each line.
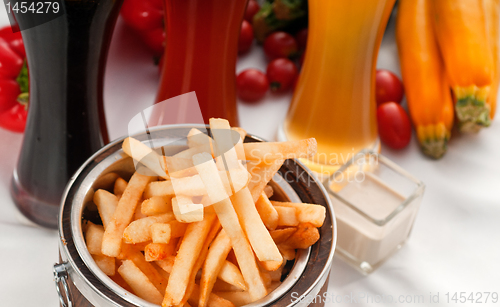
<point>200,55</point>
<point>334,100</point>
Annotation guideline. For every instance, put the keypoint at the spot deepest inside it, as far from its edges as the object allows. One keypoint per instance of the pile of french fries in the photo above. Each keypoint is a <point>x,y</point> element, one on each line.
<point>198,228</point>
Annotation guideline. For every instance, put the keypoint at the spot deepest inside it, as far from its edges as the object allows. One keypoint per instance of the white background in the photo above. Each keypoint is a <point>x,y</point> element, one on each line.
<point>454,246</point>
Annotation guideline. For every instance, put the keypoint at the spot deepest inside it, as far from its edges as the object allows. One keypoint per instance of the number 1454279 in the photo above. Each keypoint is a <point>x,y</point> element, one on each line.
<point>35,7</point>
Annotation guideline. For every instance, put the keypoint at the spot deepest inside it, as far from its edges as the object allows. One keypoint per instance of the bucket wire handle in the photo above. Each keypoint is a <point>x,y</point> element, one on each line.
<point>60,278</point>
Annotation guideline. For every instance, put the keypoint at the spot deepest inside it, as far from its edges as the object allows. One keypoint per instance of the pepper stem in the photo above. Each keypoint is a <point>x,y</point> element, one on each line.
<point>23,81</point>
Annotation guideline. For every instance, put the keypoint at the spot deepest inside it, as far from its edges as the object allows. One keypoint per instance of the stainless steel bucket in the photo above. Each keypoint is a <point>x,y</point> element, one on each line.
<point>80,282</point>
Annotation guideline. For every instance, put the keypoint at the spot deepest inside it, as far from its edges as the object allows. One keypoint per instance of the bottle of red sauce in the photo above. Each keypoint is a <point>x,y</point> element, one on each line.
<point>200,55</point>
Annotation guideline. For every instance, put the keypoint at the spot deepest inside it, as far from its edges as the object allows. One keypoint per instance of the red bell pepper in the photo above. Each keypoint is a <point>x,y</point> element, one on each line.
<point>145,17</point>
<point>13,81</point>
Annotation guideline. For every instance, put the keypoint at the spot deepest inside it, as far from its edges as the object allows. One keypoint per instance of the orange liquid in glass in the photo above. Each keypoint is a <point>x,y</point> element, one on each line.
<point>334,100</point>
<point>200,55</point>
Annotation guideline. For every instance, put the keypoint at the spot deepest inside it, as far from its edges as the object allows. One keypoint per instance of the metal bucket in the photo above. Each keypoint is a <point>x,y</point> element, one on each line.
<point>80,282</point>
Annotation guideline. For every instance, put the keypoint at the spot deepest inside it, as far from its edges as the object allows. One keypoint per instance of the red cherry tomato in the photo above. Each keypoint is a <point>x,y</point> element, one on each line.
<point>394,125</point>
<point>142,15</point>
<point>281,73</point>
<point>388,87</point>
<point>252,8</point>
<point>252,85</point>
<point>14,119</point>
<point>246,37</point>
<point>155,40</point>
<point>301,38</point>
<point>280,45</point>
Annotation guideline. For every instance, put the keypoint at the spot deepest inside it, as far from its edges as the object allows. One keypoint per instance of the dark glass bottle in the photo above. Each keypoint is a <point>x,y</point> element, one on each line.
<point>66,124</point>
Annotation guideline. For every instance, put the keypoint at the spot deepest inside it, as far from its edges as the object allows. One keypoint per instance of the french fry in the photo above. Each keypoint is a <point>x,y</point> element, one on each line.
<point>190,152</point>
<point>166,264</point>
<point>112,239</point>
<point>147,156</point>
<point>267,213</point>
<point>163,232</point>
<point>156,205</point>
<point>118,279</point>
<point>306,235</point>
<point>105,181</point>
<point>106,205</point>
<point>159,282</point>
<point>191,245</point>
<point>186,211</point>
<point>271,265</point>
<point>139,282</point>
<point>187,172</point>
<point>288,253</point>
<point>162,272</point>
<point>230,274</point>
<point>306,213</point>
<point>266,278</point>
<point>276,275</point>
<point>139,246</point>
<point>213,300</point>
<point>260,239</point>
<point>238,298</point>
<point>203,254</point>
<point>224,144</point>
<point>229,221</point>
<point>138,213</point>
<point>273,286</point>
<point>261,174</point>
<point>93,237</point>
<point>197,138</point>
<point>187,186</point>
<point>241,132</point>
<point>140,230</point>
<point>119,187</point>
<point>266,152</point>
<point>213,264</point>
<point>268,190</point>
<point>158,251</point>
<point>106,264</point>
<point>174,165</point>
<point>287,216</point>
<point>222,286</point>
<point>193,186</point>
<point>281,235</point>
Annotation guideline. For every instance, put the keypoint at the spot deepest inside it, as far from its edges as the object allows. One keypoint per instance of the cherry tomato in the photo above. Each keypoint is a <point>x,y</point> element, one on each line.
<point>252,8</point>
<point>281,73</point>
<point>388,87</point>
<point>280,45</point>
<point>252,85</point>
<point>14,119</point>
<point>155,40</point>
<point>394,125</point>
<point>142,15</point>
<point>246,37</point>
<point>301,38</point>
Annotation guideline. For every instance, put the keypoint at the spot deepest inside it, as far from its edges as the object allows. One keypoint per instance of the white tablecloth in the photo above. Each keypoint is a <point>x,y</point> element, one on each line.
<point>454,247</point>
